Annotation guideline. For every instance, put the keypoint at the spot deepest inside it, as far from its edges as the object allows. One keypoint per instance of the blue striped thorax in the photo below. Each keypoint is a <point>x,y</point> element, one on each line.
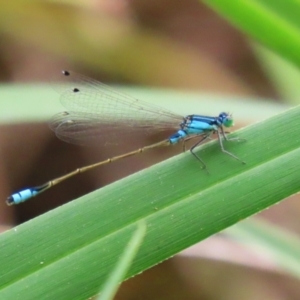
<point>197,124</point>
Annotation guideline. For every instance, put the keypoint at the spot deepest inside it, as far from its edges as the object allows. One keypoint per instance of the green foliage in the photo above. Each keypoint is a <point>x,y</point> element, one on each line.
<point>77,244</point>
<point>275,24</point>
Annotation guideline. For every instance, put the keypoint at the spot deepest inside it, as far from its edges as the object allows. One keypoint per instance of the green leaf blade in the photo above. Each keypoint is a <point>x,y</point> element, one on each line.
<point>70,250</point>
<point>276,24</point>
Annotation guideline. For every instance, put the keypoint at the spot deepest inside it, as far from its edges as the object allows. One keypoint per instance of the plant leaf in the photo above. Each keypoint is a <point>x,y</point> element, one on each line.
<point>276,24</point>
<point>117,275</point>
<point>67,253</point>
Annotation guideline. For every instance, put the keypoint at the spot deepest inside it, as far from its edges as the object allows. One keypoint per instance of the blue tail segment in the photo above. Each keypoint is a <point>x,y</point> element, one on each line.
<point>26,194</point>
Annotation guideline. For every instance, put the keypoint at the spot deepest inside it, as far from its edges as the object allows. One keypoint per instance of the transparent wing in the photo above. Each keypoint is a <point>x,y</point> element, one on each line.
<point>96,110</point>
<point>83,129</point>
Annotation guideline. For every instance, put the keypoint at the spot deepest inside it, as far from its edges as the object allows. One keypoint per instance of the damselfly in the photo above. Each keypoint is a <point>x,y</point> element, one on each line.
<point>94,110</point>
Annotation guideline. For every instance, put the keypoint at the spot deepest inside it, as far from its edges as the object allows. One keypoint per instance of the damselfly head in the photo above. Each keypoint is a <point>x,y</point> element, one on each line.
<point>226,118</point>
